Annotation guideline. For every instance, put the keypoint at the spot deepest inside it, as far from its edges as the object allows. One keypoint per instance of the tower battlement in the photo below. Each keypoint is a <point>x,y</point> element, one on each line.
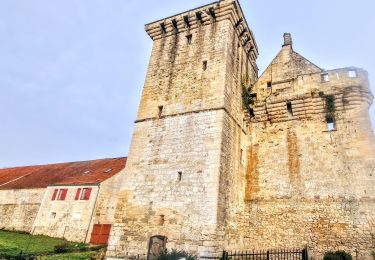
<point>187,22</point>
<point>306,95</point>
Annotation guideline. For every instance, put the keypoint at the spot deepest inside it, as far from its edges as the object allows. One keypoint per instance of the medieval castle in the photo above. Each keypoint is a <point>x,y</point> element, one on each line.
<point>221,158</point>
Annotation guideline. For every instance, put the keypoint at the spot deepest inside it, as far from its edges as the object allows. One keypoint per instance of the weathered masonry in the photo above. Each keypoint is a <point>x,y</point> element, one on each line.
<point>292,168</point>
<point>220,159</point>
<point>189,134</point>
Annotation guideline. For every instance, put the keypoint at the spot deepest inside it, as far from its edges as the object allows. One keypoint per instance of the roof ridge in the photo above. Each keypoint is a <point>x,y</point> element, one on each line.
<point>59,163</point>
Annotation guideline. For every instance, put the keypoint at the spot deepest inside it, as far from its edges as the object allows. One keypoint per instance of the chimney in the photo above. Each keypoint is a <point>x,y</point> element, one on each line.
<point>287,39</point>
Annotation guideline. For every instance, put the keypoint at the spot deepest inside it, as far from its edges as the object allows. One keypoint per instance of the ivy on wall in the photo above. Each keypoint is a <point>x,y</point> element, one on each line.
<point>247,99</point>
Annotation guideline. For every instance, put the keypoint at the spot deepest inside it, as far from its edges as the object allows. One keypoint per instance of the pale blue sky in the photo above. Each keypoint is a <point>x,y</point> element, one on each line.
<point>72,71</point>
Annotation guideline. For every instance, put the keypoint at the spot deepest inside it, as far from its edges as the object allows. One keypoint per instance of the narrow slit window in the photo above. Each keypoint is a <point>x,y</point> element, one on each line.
<point>160,111</point>
<point>289,109</point>
<point>352,73</point>
<point>205,65</point>
<point>269,84</point>
<point>252,114</point>
<point>189,39</point>
<point>331,124</point>
<point>325,77</point>
<point>161,220</point>
<point>179,176</point>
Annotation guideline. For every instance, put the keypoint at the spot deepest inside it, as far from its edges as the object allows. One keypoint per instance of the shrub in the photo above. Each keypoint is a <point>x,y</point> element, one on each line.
<point>373,254</point>
<point>62,248</point>
<point>176,255</point>
<point>338,255</point>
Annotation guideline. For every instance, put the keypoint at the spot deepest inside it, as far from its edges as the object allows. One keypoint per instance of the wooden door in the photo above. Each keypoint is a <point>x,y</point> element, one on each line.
<point>100,234</point>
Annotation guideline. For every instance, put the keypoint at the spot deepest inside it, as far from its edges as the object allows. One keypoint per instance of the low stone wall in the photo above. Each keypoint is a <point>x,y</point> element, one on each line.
<point>18,208</point>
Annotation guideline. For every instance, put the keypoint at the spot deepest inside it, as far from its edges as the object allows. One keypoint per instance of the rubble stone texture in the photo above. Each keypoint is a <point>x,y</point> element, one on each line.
<point>209,176</point>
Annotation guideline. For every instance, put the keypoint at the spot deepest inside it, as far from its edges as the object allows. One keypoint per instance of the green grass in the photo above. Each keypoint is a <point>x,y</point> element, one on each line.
<point>74,256</point>
<point>15,243</point>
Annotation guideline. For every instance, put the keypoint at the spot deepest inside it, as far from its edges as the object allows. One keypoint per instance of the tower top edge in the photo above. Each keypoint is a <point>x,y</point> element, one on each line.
<point>203,15</point>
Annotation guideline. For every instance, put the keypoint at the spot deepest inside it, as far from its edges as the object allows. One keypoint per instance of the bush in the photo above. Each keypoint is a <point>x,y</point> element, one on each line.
<point>338,255</point>
<point>373,254</point>
<point>79,247</point>
<point>176,255</point>
<point>62,248</point>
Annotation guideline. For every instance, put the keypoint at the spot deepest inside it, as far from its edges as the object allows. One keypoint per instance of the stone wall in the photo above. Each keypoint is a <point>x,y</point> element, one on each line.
<point>155,199</point>
<point>105,207</point>
<point>18,208</point>
<point>305,185</point>
<point>209,176</point>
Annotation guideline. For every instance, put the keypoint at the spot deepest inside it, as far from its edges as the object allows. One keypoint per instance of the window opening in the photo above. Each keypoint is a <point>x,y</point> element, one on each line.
<point>160,111</point>
<point>189,39</point>
<point>352,73</point>
<point>325,77</point>
<point>330,124</point>
<point>205,65</point>
<point>290,109</point>
<point>179,176</point>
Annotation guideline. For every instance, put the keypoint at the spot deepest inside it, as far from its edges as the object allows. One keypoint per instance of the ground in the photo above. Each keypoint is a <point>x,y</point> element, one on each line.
<point>13,244</point>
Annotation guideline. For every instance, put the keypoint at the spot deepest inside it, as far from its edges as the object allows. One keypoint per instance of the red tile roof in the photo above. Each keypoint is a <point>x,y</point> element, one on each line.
<point>71,173</point>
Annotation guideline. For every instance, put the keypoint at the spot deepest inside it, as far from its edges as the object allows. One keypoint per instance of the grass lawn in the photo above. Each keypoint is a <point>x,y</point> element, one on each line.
<point>13,243</point>
<point>73,256</point>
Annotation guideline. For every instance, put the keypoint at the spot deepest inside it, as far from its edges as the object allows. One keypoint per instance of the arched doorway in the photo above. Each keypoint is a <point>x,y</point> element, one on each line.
<point>157,244</point>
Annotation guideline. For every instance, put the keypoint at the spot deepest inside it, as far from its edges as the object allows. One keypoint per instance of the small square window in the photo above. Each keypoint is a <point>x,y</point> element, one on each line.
<point>253,95</point>
<point>352,73</point>
<point>325,77</point>
<point>269,84</point>
<point>76,215</point>
<point>52,215</point>
<point>330,124</point>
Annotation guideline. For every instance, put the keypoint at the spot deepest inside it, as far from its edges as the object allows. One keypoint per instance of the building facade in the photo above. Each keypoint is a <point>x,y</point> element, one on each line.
<point>221,158</point>
<point>75,200</point>
<point>293,167</point>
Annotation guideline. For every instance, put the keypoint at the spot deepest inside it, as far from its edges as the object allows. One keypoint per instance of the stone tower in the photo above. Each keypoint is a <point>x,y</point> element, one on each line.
<point>311,172</point>
<point>188,152</point>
